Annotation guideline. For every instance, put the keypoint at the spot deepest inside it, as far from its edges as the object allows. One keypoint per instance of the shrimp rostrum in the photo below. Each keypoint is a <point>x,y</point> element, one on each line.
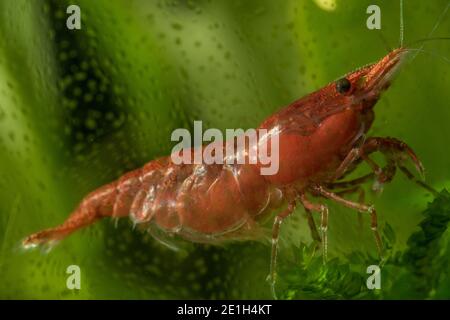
<point>321,138</point>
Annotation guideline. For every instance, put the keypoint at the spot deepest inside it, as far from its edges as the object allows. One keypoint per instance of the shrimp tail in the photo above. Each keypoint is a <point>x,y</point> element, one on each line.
<point>112,200</point>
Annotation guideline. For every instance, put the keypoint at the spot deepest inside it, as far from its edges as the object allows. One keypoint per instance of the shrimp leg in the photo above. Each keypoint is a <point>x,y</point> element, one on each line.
<point>382,175</point>
<point>357,206</point>
<point>323,210</point>
<point>396,153</point>
<point>312,226</point>
<point>361,196</point>
<point>351,183</point>
<point>275,237</point>
<point>411,177</point>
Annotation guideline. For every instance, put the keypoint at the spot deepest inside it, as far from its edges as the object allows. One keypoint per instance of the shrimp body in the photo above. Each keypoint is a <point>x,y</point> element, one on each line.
<point>321,137</point>
<point>199,202</point>
<point>203,203</point>
<point>213,202</point>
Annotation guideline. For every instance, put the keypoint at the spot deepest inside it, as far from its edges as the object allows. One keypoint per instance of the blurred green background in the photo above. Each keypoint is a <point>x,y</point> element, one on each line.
<point>80,107</point>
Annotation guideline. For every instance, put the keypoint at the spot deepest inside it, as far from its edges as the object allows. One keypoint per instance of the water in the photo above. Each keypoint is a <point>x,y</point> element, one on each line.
<point>79,108</point>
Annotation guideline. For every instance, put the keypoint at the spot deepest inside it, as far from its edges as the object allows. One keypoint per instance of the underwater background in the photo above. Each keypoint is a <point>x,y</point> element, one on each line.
<point>78,108</point>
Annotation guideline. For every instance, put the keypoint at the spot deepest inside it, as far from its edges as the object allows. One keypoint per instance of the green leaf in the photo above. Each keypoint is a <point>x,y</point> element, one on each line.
<point>421,271</point>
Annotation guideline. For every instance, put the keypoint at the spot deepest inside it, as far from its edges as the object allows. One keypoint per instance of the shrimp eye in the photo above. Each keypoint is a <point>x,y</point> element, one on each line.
<point>343,85</point>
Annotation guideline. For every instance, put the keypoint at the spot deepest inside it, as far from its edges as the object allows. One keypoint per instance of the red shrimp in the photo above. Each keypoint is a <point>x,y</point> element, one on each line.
<point>322,137</point>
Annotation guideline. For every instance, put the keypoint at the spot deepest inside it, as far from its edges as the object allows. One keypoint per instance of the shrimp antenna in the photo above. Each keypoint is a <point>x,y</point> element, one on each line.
<point>439,20</point>
<point>402,29</point>
<point>385,41</point>
<point>427,39</point>
<point>429,53</point>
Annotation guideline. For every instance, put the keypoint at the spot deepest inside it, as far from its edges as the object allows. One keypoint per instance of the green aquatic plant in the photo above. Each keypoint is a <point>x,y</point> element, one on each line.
<point>427,257</point>
<point>420,271</point>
